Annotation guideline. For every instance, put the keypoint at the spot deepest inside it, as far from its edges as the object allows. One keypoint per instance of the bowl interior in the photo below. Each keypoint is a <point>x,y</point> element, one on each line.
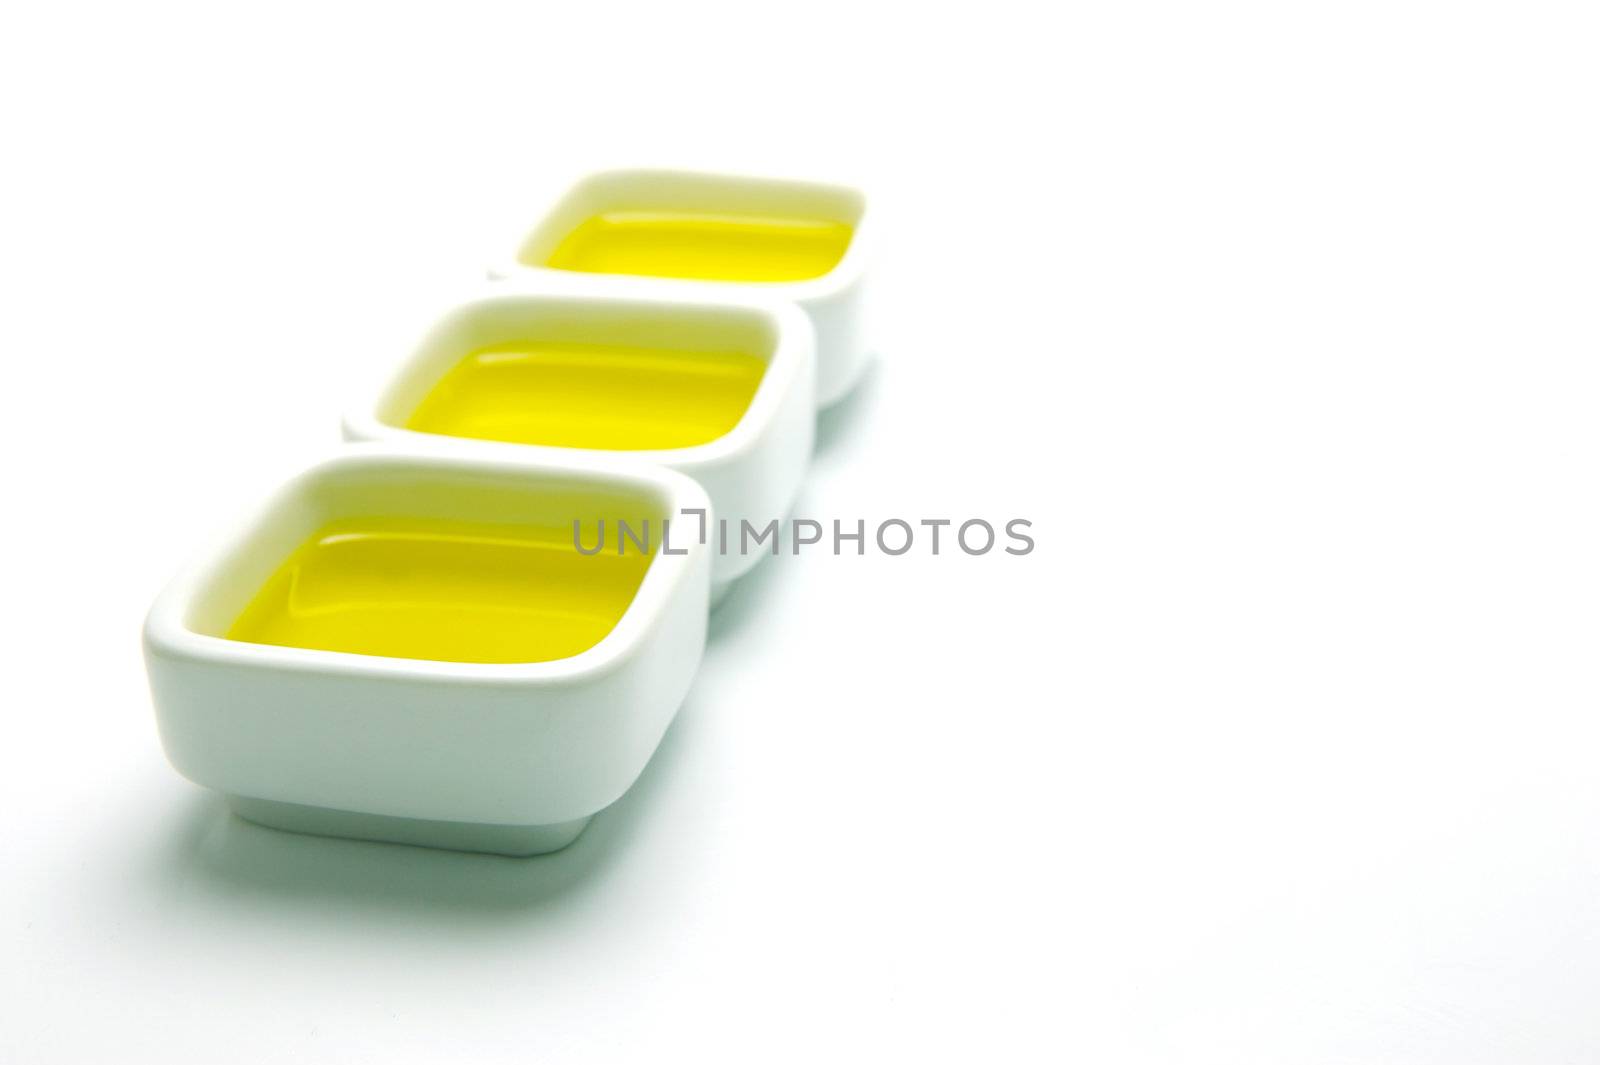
<point>412,562</point>
<point>697,226</point>
<point>606,375</point>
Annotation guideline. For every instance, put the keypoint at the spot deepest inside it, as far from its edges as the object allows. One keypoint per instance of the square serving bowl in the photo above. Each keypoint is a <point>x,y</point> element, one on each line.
<point>369,688</point>
<point>800,242</point>
<point>719,389</point>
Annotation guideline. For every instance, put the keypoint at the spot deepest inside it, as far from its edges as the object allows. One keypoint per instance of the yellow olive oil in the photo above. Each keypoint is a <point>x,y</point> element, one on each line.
<point>706,247</point>
<point>590,396</point>
<point>444,590</point>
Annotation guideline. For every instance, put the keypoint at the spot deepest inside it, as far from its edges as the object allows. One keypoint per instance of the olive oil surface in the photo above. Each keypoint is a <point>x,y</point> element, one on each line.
<point>704,247</point>
<point>590,396</point>
<point>449,591</point>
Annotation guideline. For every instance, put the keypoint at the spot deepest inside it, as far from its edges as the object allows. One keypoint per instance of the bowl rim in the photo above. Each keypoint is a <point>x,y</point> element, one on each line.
<point>167,632</point>
<point>845,274</point>
<point>791,362</point>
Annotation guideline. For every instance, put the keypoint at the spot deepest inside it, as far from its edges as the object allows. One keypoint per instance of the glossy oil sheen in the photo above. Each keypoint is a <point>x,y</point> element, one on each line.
<point>591,396</point>
<point>442,590</point>
<point>703,246</point>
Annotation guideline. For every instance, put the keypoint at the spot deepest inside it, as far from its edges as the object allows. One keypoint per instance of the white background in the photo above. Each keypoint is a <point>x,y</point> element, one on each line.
<point>1278,321</point>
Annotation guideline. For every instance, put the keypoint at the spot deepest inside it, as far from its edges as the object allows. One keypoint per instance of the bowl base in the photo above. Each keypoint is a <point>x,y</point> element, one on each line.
<point>517,841</point>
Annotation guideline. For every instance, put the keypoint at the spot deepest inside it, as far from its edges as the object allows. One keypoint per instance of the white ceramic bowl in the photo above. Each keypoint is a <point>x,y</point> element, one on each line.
<point>834,301</point>
<point>752,473</point>
<point>511,758</point>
